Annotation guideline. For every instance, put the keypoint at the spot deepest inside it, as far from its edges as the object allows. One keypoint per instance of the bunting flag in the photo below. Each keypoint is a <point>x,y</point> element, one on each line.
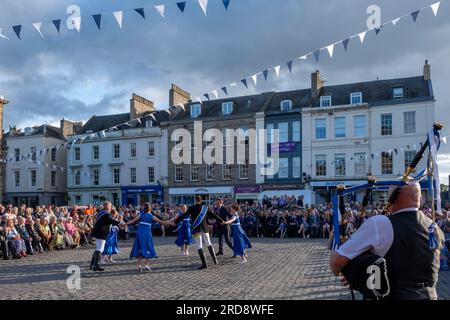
<point>345,43</point>
<point>435,8</point>
<point>97,19</point>
<point>304,57</point>
<point>234,84</point>
<point>206,96</point>
<point>255,79</point>
<point>415,14</point>
<point>77,23</point>
<point>160,9</point>
<point>17,30</point>
<point>289,65</point>
<point>277,71</point>
<point>444,140</point>
<point>181,6</point>
<point>38,26</point>
<point>226,3</point>
<point>119,17</point>
<point>204,5</point>
<point>2,35</point>
<point>362,36</point>
<point>215,93</point>
<point>141,12</point>
<point>265,73</point>
<point>330,49</point>
<point>395,21</point>
<point>57,24</point>
<point>316,55</point>
<point>224,89</point>
<point>377,30</point>
<point>244,81</point>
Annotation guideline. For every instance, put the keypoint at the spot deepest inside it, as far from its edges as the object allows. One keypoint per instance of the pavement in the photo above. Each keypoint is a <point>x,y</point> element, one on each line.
<point>287,269</point>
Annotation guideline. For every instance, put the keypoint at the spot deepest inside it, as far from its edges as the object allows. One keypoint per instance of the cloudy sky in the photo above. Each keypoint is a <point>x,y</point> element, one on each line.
<point>75,76</point>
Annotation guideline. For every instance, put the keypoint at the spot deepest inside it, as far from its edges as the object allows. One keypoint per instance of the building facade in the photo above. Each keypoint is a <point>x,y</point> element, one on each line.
<point>3,103</point>
<point>36,165</point>
<point>369,128</point>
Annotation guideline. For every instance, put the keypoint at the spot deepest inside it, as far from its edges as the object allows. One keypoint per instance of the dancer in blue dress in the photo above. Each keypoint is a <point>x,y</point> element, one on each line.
<point>240,239</point>
<point>184,233</point>
<point>143,245</point>
<point>111,247</point>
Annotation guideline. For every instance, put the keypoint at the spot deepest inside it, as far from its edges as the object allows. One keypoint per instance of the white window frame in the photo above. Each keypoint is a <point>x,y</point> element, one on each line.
<point>356,128</point>
<point>288,103</point>
<point>77,153</point>
<point>296,131</point>
<point>194,172</point>
<point>298,168</point>
<point>210,172</point>
<point>133,149</point>
<point>324,127</point>
<point>53,178</point>
<point>286,168</point>
<point>227,108</point>
<point>357,95</point>
<point>151,143</point>
<point>176,167</point>
<point>324,99</point>
<point>386,133</point>
<point>95,151</point>
<point>243,171</point>
<point>340,128</point>
<point>31,178</point>
<point>151,173</point>
<point>93,177</point>
<point>360,159</point>
<point>114,175</point>
<point>77,177</point>
<point>321,158</point>
<point>114,151</point>
<point>283,136</point>
<point>340,171</point>
<point>398,93</point>
<point>229,176</point>
<point>196,110</point>
<point>17,154</point>
<point>409,127</point>
<point>17,178</point>
<point>133,175</point>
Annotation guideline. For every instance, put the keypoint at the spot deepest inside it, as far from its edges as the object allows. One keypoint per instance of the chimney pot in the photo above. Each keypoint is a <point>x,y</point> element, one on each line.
<point>316,84</point>
<point>426,71</point>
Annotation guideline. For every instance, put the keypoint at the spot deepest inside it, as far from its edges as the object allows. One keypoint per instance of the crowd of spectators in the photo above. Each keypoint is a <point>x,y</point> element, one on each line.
<point>27,231</point>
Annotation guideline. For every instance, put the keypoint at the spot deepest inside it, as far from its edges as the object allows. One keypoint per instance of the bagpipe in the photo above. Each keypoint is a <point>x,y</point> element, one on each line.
<point>356,270</point>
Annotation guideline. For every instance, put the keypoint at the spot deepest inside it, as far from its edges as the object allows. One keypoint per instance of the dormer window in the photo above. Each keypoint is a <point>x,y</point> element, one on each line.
<point>356,98</point>
<point>398,93</point>
<point>148,124</point>
<point>286,105</point>
<point>227,108</point>
<point>325,101</point>
<point>196,110</point>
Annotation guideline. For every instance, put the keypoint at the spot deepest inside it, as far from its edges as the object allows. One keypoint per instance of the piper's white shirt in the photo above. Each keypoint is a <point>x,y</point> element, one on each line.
<point>376,235</point>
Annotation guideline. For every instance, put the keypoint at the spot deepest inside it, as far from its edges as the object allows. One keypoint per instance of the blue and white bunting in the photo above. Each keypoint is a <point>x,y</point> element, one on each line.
<point>330,50</point>
<point>98,20</point>
<point>57,24</point>
<point>362,36</point>
<point>435,8</point>
<point>345,43</point>
<point>17,29</point>
<point>316,55</point>
<point>395,21</point>
<point>289,65</point>
<point>224,89</point>
<point>118,15</point>
<point>2,35</point>
<point>265,73</point>
<point>160,9</point>
<point>255,79</point>
<point>38,26</point>
<point>181,6</point>
<point>215,93</point>
<point>415,14</point>
<point>277,71</point>
<point>377,30</point>
<point>204,5</point>
<point>140,11</point>
<point>244,82</point>
<point>206,96</point>
<point>226,3</point>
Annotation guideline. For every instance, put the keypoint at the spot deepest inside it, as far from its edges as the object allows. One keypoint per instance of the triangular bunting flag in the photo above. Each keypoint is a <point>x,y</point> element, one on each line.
<point>395,21</point>
<point>17,30</point>
<point>206,96</point>
<point>444,140</point>
<point>119,17</point>
<point>304,57</point>
<point>330,49</point>
<point>226,3</point>
<point>255,79</point>
<point>362,36</point>
<point>377,30</point>
<point>289,65</point>
<point>215,93</point>
<point>199,100</point>
<point>244,81</point>
<point>265,73</point>
<point>160,9</point>
<point>181,6</point>
<point>141,12</point>
<point>77,22</point>
<point>224,89</point>
<point>234,84</point>
<point>277,71</point>
<point>97,19</point>
<point>57,24</point>
<point>316,55</point>
<point>435,8</point>
<point>204,5</point>
<point>345,43</point>
<point>38,26</point>
<point>2,35</point>
<point>415,14</point>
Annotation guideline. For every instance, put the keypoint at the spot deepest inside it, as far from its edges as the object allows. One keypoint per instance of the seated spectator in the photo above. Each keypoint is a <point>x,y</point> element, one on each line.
<point>33,232</point>
<point>7,249</point>
<point>57,238</point>
<point>303,225</point>
<point>314,222</point>
<point>67,239</point>
<point>45,234</point>
<point>23,232</point>
<point>14,236</point>
<point>326,224</point>
<point>72,231</point>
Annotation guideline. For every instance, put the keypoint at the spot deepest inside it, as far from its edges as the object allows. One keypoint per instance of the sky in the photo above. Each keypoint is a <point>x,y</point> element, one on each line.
<point>76,75</point>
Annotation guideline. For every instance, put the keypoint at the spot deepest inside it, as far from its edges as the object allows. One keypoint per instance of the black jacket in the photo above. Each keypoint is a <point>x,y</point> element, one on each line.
<point>102,225</point>
<point>194,212</point>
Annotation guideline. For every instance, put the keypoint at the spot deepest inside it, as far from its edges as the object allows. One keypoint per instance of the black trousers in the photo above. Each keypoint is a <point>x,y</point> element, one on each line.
<point>224,232</point>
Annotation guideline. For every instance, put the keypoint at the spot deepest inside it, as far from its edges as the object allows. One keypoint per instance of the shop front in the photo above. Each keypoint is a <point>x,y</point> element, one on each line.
<point>137,195</point>
<point>186,195</point>
<point>247,193</point>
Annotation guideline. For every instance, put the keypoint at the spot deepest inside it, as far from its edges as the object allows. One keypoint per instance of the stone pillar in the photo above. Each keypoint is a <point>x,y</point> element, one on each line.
<point>3,102</point>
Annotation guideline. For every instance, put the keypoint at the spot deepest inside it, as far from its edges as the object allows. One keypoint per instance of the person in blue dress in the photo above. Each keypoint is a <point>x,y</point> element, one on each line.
<point>184,233</point>
<point>240,239</point>
<point>111,247</point>
<point>143,245</point>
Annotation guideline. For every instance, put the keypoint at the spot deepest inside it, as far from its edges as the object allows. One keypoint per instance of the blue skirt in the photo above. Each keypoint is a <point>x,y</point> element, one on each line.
<point>240,240</point>
<point>143,244</point>
<point>111,247</point>
<point>184,234</point>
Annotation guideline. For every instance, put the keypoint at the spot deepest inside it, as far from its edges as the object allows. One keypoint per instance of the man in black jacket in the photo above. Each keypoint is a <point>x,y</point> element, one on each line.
<point>199,221</point>
<point>223,230</point>
<point>100,232</point>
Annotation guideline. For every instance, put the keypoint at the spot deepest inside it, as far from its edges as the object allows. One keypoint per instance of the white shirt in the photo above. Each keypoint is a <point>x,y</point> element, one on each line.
<point>376,234</point>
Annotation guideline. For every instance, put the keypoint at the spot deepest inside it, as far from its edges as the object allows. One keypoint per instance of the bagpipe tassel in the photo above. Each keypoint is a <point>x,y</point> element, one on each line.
<point>432,241</point>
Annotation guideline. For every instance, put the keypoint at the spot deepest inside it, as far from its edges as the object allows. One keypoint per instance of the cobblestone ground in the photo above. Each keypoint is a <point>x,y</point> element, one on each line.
<point>277,269</point>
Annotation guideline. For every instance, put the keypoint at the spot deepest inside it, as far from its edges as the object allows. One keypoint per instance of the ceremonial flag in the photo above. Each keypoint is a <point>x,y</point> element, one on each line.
<point>161,8</point>
<point>57,24</point>
<point>17,30</point>
<point>304,57</point>
<point>77,22</point>
<point>206,96</point>
<point>97,19</point>
<point>181,6</point>
<point>204,5</point>
<point>119,17</point>
<point>234,84</point>
<point>141,12</point>
<point>38,26</point>
<point>377,30</point>
<point>215,93</point>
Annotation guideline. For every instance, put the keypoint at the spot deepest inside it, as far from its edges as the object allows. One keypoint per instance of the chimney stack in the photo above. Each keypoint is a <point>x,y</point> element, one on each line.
<point>69,128</point>
<point>426,71</point>
<point>316,84</point>
<point>139,106</point>
<point>178,95</point>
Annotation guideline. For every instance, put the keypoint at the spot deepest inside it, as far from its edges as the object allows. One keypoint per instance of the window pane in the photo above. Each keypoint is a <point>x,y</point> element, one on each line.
<point>321,165</point>
<point>296,167</point>
<point>359,126</point>
<point>386,124</point>
<point>321,129</point>
<point>296,133</point>
<point>339,165</point>
<point>283,170</point>
<point>409,157</point>
<point>269,130</point>
<point>409,122</point>
<point>339,127</point>
<point>360,164</point>
<point>387,163</point>
<point>283,128</point>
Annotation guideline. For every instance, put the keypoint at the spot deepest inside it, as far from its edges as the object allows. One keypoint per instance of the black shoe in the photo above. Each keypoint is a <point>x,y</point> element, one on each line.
<point>213,254</point>
<point>220,253</point>
<point>96,260</point>
<point>203,259</point>
<point>96,268</point>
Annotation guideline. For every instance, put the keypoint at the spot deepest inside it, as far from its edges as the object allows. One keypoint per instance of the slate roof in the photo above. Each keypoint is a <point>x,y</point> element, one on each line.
<point>45,130</point>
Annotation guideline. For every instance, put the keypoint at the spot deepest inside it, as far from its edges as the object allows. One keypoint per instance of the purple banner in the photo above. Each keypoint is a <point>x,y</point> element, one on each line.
<point>285,147</point>
<point>247,189</point>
